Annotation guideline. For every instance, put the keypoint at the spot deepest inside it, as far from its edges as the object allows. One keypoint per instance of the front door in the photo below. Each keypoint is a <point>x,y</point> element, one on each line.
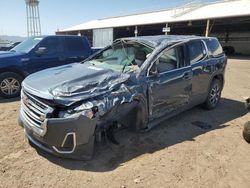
<point>52,57</point>
<point>169,82</point>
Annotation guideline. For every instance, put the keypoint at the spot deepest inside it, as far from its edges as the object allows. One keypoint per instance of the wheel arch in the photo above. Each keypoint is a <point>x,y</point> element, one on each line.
<point>131,114</point>
<point>219,77</point>
<point>12,70</point>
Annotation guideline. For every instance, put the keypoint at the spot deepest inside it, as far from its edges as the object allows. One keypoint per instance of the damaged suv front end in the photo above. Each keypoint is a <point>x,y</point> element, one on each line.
<point>63,109</point>
<point>72,136</point>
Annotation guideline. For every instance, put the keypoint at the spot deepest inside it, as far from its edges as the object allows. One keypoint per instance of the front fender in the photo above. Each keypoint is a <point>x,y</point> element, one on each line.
<point>13,65</point>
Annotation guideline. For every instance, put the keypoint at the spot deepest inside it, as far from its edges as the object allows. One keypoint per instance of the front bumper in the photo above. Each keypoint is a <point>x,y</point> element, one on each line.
<point>65,137</point>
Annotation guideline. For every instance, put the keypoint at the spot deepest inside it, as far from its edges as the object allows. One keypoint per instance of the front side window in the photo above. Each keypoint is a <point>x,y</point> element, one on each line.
<point>197,51</point>
<point>27,45</point>
<point>122,56</point>
<point>170,59</point>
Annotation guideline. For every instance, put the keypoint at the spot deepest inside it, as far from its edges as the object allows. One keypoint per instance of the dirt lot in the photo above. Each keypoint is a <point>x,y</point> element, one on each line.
<point>197,148</point>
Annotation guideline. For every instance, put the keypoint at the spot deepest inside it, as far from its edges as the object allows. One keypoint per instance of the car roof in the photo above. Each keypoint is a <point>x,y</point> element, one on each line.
<point>46,36</point>
<point>154,41</point>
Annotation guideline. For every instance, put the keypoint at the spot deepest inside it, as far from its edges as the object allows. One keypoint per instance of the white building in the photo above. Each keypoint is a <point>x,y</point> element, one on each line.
<point>227,20</point>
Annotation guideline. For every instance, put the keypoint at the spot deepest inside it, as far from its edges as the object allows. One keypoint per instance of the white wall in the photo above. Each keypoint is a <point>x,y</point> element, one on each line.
<point>102,37</point>
<point>239,40</point>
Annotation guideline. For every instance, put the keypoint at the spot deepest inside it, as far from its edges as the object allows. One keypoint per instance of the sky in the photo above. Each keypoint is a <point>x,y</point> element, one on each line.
<point>60,14</point>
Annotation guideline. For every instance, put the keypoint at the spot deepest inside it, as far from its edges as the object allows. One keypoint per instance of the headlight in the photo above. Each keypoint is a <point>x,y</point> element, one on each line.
<point>86,109</point>
<point>85,106</point>
<point>88,113</point>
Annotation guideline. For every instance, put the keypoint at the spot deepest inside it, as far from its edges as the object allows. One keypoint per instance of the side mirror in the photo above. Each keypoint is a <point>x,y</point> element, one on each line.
<point>41,51</point>
<point>153,71</point>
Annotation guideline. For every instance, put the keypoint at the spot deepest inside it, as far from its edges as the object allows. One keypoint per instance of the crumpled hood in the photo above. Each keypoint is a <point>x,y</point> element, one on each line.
<point>74,82</point>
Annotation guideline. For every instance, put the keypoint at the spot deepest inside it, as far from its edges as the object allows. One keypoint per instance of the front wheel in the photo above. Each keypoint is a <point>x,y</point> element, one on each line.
<point>10,84</point>
<point>214,95</point>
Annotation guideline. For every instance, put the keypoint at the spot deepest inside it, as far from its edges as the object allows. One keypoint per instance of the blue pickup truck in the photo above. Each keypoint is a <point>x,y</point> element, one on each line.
<point>38,53</point>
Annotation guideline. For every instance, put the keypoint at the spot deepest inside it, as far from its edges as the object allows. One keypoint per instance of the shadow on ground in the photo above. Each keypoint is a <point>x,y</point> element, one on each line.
<point>2,100</point>
<point>184,127</point>
<point>239,57</point>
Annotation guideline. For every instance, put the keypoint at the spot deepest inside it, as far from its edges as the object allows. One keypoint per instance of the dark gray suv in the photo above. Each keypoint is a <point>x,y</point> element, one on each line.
<point>136,83</point>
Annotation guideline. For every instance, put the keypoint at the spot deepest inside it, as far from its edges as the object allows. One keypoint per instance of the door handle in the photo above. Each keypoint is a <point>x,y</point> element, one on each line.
<point>62,58</point>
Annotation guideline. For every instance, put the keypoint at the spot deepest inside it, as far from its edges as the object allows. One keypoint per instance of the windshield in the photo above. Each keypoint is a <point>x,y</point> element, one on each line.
<point>27,45</point>
<point>122,56</point>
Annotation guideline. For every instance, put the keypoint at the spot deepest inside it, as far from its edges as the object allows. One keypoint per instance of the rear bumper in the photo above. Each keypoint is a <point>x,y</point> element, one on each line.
<point>65,137</point>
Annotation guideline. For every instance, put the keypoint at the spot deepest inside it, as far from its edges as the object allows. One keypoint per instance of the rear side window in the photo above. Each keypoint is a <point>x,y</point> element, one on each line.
<point>214,47</point>
<point>196,51</point>
<point>74,44</point>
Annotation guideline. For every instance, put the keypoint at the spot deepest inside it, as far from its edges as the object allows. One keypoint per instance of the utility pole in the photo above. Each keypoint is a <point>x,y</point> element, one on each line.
<point>207,28</point>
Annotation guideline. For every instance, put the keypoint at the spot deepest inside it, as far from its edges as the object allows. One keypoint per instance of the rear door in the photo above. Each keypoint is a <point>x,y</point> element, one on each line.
<point>169,82</point>
<point>76,49</point>
<point>199,62</point>
<point>53,57</point>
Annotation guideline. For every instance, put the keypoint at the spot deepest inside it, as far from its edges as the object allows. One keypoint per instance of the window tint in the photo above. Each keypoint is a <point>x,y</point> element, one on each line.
<point>214,47</point>
<point>74,44</point>
<point>52,45</point>
<point>170,59</point>
<point>196,51</point>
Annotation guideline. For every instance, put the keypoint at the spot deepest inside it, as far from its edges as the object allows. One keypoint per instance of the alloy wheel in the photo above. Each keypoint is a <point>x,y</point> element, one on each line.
<point>215,94</point>
<point>10,86</point>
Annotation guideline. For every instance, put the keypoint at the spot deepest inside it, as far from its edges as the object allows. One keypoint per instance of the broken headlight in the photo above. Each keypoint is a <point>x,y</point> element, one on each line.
<point>86,109</point>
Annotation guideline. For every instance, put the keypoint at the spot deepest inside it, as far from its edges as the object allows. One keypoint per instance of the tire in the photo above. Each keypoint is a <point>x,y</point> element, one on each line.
<point>10,85</point>
<point>229,50</point>
<point>214,95</point>
<point>246,131</point>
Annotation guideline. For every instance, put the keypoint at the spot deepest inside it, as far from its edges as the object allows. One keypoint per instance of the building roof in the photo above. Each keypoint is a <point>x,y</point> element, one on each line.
<point>223,9</point>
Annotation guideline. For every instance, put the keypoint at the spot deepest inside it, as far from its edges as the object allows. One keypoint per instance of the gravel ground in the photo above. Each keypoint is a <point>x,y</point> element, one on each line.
<point>197,148</point>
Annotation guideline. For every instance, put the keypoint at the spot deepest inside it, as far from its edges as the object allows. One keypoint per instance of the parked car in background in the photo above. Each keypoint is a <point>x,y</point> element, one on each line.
<point>38,53</point>
<point>136,82</point>
<point>9,47</point>
<point>229,50</point>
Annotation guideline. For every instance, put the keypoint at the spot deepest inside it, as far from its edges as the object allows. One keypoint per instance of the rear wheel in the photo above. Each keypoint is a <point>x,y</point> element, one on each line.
<point>214,94</point>
<point>10,84</point>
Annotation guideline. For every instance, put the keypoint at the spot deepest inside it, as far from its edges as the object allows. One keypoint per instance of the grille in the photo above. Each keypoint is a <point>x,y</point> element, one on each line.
<point>35,113</point>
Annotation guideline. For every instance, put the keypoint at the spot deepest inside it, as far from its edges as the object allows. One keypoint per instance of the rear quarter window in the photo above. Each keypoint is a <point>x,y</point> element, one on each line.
<point>214,47</point>
<point>74,44</point>
<point>197,51</point>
